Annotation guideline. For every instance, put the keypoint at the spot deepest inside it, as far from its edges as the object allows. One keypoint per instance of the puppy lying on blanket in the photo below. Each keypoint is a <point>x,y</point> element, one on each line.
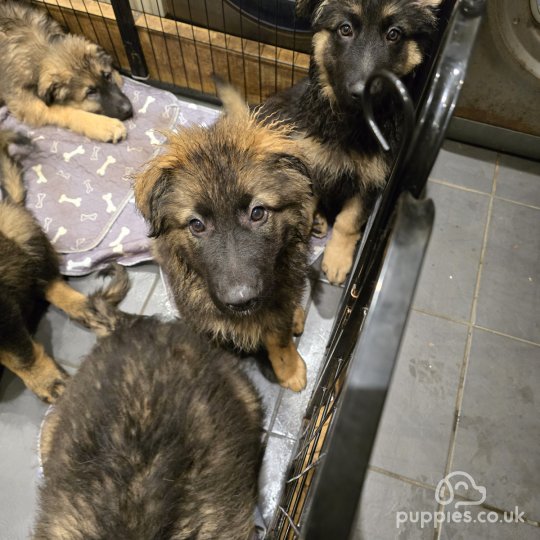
<point>230,208</point>
<point>29,278</point>
<point>50,77</point>
<point>158,436</point>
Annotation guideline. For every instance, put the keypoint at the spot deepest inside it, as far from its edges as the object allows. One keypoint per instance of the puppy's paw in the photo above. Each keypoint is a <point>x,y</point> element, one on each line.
<point>338,258</point>
<point>53,390</point>
<point>298,321</point>
<point>48,381</point>
<point>319,228</point>
<point>297,379</point>
<point>289,367</point>
<point>105,129</point>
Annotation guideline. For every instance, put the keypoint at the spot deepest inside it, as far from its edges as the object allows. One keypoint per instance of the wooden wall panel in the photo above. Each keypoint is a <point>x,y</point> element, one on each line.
<point>185,55</point>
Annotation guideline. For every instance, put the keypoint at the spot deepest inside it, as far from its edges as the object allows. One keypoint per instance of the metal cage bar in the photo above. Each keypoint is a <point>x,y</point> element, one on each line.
<point>340,479</point>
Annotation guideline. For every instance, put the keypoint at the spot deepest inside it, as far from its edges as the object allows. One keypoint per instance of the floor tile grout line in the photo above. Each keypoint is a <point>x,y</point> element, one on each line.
<point>525,205</point>
<point>479,192</point>
<point>397,476</point>
<point>462,322</point>
<point>457,186</point>
<point>468,343</point>
<point>508,336</point>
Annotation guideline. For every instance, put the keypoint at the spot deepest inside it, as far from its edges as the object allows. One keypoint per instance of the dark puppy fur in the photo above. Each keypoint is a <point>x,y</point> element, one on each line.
<point>352,39</point>
<point>29,278</point>
<point>230,208</point>
<point>50,77</point>
<point>158,436</point>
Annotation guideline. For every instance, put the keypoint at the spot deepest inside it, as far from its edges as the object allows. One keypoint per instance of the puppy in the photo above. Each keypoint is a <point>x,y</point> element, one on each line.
<point>157,436</point>
<point>29,278</point>
<point>230,208</point>
<point>352,39</point>
<point>50,77</point>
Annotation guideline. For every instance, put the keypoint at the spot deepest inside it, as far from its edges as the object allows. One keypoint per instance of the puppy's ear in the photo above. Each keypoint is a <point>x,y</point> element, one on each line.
<point>293,163</point>
<point>233,103</point>
<point>52,89</point>
<point>305,8</point>
<point>117,78</point>
<point>429,3</point>
<point>150,188</point>
<point>55,92</point>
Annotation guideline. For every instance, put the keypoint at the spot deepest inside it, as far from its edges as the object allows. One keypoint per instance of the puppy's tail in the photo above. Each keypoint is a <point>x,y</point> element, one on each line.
<point>233,102</point>
<point>98,311</point>
<point>10,170</point>
<point>102,313</point>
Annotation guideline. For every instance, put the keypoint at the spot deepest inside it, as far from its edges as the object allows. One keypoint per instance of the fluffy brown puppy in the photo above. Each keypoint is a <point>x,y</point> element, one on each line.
<point>230,208</point>
<point>158,436</point>
<point>50,77</point>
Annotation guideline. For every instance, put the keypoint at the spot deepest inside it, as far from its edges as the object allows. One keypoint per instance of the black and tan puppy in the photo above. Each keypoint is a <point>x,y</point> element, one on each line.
<point>352,39</point>
<point>158,436</point>
<point>29,278</point>
<point>230,208</point>
<point>50,77</point>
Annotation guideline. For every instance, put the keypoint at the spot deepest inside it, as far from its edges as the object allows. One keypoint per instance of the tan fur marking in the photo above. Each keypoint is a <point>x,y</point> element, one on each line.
<point>356,9</point>
<point>414,58</point>
<point>339,251</point>
<point>64,297</point>
<point>17,225</point>
<point>320,43</point>
<point>43,376</point>
<point>288,365</point>
<point>388,10</point>
<point>298,321</point>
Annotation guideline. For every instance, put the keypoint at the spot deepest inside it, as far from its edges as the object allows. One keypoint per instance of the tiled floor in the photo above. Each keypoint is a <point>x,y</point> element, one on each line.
<point>465,391</point>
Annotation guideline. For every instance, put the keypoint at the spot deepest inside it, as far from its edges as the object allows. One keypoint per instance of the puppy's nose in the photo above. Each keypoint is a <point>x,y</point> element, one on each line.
<point>240,297</point>
<point>126,110</point>
<point>357,89</point>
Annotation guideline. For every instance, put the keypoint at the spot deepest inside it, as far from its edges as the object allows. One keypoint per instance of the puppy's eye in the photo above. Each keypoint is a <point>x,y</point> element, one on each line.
<point>258,213</point>
<point>393,34</point>
<point>92,91</point>
<point>197,226</point>
<point>345,30</point>
<point>107,76</point>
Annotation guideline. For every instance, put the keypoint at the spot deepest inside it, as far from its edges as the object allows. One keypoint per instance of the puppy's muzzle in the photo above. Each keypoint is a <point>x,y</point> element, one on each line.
<point>240,298</point>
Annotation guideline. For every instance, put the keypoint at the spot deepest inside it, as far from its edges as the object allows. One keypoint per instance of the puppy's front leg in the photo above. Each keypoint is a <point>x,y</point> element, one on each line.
<point>288,365</point>
<point>339,251</point>
<point>35,112</point>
